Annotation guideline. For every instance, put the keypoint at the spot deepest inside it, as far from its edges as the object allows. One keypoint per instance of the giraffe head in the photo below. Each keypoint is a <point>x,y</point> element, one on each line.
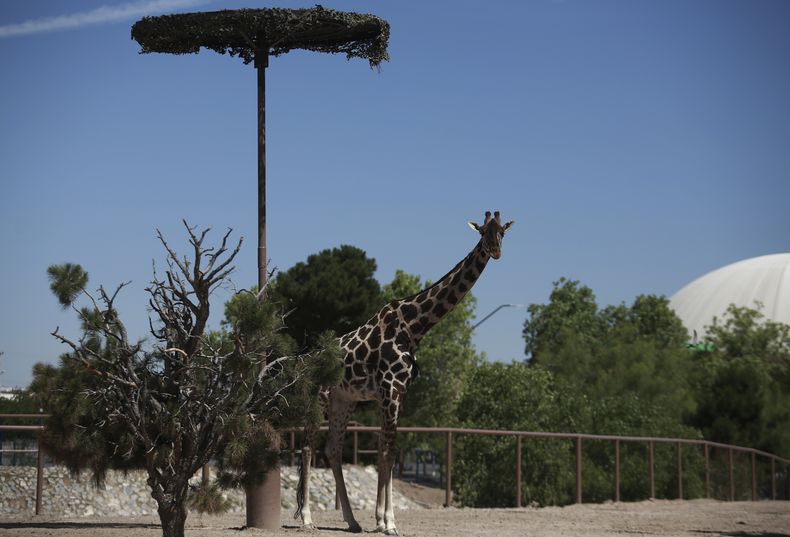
<point>491,232</point>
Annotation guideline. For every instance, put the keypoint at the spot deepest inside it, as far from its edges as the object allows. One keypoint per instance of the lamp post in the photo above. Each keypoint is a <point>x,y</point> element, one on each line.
<point>481,321</point>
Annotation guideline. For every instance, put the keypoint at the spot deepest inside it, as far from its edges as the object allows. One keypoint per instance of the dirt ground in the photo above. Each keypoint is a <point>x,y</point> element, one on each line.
<point>694,518</point>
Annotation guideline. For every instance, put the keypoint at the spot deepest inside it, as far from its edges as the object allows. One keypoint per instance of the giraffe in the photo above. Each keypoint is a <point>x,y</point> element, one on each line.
<point>380,364</point>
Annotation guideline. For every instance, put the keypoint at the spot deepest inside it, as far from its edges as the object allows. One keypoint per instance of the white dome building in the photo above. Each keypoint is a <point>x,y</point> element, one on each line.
<point>764,279</point>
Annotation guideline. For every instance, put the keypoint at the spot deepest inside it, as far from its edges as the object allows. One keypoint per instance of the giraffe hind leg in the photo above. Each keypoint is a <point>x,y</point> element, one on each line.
<point>303,488</point>
<point>339,413</point>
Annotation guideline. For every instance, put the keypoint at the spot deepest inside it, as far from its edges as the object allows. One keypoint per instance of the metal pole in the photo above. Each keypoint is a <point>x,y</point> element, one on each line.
<point>518,470</point>
<point>616,470</point>
<point>651,463</point>
<point>39,476</point>
<point>754,477</point>
<point>261,63</point>
<point>448,491</point>
<point>680,471</point>
<point>578,469</point>
<point>263,501</point>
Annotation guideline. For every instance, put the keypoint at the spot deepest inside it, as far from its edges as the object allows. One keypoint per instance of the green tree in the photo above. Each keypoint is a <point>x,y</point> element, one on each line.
<point>571,311</point>
<point>743,385</point>
<point>631,366</point>
<point>513,397</point>
<point>193,396</point>
<point>333,290</point>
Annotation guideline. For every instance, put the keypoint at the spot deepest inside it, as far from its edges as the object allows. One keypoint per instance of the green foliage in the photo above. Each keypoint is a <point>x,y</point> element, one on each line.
<point>571,311</point>
<point>208,499</point>
<point>521,398</point>
<point>243,32</point>
<point>333,290</point>
<point>253,446</point>
<point>67,281</point>
<point>71,436</point>
<point>743,385</point>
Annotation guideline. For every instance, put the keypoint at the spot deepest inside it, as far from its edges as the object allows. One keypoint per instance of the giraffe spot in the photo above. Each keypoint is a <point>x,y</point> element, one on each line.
<point>426,306</point>
<point>402,339</point>
<point>433,291</point>
<point>349,358</point>
<point>389,317</point>
<point>389,332</point>
<point>360,353</point>
<point>480,265</point>
<point>397,366</point>
<point>442,294</point>
<point>348,373</point>
<point>359,370</point>
<point>451,298</point>
<point>374,339</point>
<point>372,361</point>
<point>363,333</point>
<point>409,311</point>
<point>456,279</point>
<point>462,287</point>
<point>439,310</point>
<point>345,339</point>
<point>470,277</point>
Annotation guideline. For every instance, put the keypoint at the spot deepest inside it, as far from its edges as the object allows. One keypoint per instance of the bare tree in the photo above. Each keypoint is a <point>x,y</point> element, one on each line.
<point>180,402</point>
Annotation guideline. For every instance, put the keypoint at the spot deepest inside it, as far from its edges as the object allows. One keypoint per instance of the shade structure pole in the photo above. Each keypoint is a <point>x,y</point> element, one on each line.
<point>261,63</point>
<point>263,500</point>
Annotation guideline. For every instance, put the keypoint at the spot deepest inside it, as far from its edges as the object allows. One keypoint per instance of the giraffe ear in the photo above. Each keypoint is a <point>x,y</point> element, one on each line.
<point>474,226</point>
<point>507,226</point>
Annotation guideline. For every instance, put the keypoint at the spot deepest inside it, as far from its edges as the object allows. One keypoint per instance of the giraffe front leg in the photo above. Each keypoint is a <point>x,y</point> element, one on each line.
<point>303,488</point>
<point>385,514</point>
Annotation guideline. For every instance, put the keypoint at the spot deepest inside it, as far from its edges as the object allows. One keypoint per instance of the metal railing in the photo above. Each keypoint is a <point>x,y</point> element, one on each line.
<point>578,439</point>
<point>519,436</point>
<point>39,451</point>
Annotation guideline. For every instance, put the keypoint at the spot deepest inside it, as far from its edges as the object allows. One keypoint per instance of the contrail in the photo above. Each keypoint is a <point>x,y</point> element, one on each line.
<point>100,15</point>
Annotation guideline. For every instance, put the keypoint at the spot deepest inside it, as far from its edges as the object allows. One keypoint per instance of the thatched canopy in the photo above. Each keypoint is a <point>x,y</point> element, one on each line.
<point>242,32</point>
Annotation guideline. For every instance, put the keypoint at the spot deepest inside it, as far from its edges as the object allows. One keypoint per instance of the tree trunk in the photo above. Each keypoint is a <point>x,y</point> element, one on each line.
<point>173,516</point>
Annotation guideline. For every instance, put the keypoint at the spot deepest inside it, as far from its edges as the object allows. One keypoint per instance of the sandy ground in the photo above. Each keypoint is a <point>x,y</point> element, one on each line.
<point>695,518</point>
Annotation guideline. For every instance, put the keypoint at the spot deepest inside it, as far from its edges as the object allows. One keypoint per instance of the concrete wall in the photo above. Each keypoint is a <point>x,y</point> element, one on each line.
<point>128,494</point>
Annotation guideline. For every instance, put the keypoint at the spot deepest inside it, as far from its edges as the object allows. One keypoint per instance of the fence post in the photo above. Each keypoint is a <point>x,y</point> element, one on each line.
<point>356,447</point>
<point>680,470</point>
<point>732,475</point>
<point>578,469</point>
<point>39,476</point>
<point>754,476</point>
<point>205,476</point>
<point>293,448</point>
<point>773,478</point>
<point>448,491</point>
<point>617,470</point>
<point>707,471</point>
<point>518,470</point>
<point>651,463</point>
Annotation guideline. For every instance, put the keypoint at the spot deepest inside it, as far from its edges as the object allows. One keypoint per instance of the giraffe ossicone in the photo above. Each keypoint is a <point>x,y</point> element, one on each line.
<point>380,364</point>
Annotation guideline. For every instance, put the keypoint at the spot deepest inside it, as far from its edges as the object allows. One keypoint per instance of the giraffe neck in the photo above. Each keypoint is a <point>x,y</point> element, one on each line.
<point>423,310</point>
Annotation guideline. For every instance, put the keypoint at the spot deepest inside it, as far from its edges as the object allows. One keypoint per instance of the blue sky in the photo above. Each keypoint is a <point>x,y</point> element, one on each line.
<point>638,145</point>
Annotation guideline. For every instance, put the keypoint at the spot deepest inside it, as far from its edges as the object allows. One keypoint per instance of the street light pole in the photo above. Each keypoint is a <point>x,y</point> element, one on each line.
<point>481,321</point>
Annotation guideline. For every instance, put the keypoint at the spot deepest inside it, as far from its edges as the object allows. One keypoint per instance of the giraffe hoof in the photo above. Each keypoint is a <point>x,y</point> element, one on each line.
<point>309,526</point>
<point>391,531</point>
<point>354,527</point>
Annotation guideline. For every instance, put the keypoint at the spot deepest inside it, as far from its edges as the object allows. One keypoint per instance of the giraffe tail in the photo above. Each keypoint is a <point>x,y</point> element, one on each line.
<point>300,490</point>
